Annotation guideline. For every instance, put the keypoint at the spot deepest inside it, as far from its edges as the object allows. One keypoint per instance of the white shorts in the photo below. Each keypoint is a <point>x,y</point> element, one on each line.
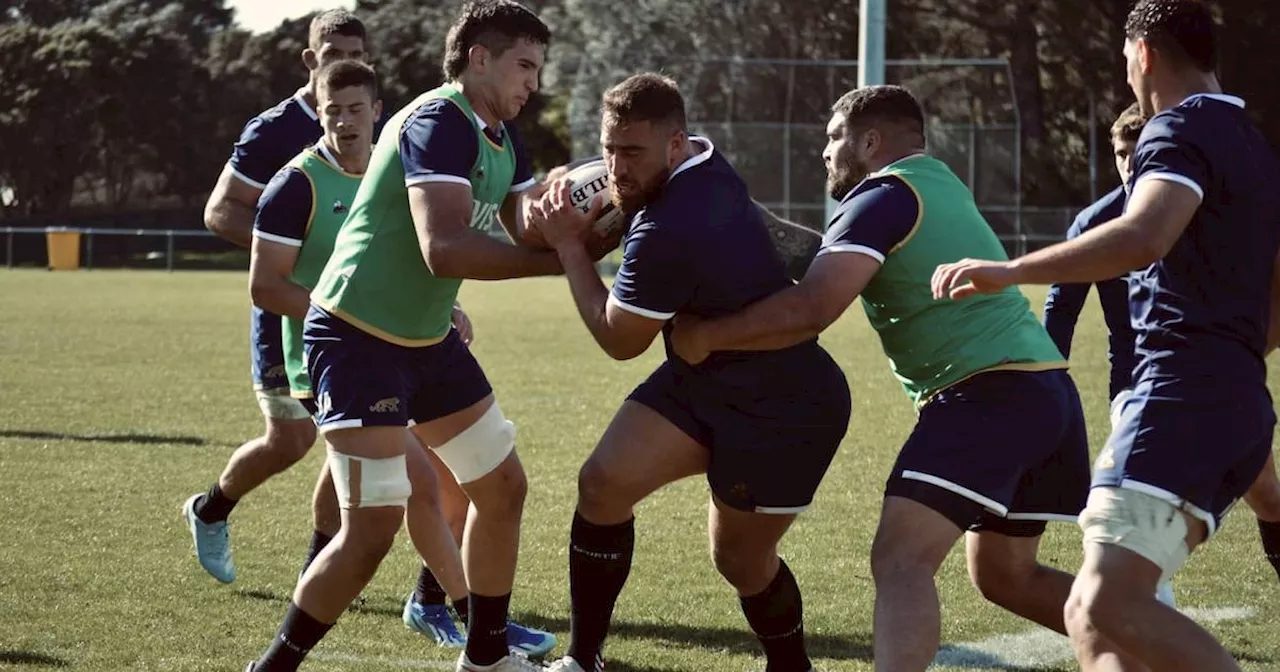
<point>278,405</point>
<point>1142,523</point>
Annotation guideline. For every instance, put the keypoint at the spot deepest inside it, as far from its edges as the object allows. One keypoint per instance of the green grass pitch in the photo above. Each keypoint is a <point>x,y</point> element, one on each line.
<point>123,392</point>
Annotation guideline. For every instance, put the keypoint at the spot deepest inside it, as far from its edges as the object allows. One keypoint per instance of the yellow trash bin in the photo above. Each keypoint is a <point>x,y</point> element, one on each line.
<point>64,249</point>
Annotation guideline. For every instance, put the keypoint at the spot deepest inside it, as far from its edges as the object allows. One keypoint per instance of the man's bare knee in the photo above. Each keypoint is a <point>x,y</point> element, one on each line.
<point>1264,496</point>
<point>748,569</point>
<point>911,539</point>
<point>1001,578</point>
<point>365,542</point>
<point>502,491</point>
<point>289,441</point>
<point>601,493</point>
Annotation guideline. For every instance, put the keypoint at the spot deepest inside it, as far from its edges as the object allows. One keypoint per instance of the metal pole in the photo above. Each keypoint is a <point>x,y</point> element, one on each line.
<point>8,250</point>
<point>871,20</point>
<point>169,252</point>
<point>88,249</point>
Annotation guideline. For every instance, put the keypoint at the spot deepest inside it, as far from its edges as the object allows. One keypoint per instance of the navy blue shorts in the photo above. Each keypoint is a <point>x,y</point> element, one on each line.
<point>1004,451</point>
<point>266,351</point>
<point>1195,444</point>
<point>772,429</point>
<point>361,380</point>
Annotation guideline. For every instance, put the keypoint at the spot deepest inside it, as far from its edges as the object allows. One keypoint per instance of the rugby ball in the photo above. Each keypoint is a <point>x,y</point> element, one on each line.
<point>591,181</point>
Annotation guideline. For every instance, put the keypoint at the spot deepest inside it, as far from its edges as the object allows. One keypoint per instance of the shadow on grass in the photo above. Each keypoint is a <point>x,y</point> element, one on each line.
<point>852,647</point>
<point>31,658</point>
<point>106,438</point>
<point>360,606</point>
<point>856,646</point>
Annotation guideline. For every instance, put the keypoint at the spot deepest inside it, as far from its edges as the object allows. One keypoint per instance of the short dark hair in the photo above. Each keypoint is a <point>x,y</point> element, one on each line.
<point>334,22</point>
<point>495,25</point>
<point>873,105</point>
<point>1180,29</point>
<point>348,73</point>
<point>648,97</point>
<point>1128,126</point>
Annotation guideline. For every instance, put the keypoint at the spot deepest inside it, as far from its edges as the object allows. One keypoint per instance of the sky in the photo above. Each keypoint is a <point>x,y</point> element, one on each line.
<point>263,15</point>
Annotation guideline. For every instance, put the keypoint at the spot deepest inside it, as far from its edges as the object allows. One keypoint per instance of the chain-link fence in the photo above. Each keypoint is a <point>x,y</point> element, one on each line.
<point>769,116</point>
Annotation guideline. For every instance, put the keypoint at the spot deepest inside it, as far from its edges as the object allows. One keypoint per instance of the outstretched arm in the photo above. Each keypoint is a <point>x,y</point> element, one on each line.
<point>873,223</point>
<point>793,315</point>
<point>1169,185</point>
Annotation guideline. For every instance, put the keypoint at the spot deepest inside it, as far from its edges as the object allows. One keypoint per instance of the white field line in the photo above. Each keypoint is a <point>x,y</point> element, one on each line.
<point>1040,647</point>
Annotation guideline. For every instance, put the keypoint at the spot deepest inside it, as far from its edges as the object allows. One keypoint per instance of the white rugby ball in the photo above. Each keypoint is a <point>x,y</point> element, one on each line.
<point>590,181</point>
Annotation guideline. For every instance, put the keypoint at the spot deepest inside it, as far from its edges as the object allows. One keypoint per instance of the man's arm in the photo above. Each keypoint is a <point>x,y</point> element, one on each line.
<point>260,151</point>
<point>869,226</point>
<point>270,265</point>
<point>438,148</point>
<point>620,333</point>
<point>1157,213</point>
<point>452,249</point>
<point>279,229</point>
<point>229,212</point>
<point>795,314</point>
<point>623,329</point>
<point>796,244</point>
<point>1171,175</point>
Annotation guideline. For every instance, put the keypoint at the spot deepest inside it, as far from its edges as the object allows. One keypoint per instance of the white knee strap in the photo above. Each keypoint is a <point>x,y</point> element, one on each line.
<point>480,448</point>
<point>363,483</point>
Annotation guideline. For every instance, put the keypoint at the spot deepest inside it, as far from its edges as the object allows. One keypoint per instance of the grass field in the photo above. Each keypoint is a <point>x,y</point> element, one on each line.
<point>123,392</point>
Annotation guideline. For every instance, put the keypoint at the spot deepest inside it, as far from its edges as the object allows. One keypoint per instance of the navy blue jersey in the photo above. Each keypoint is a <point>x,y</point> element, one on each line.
<point>1063,304</point>
<point>284,209</point>
<point>1202,311</point>
<point>700,249</point>
<point>874,218</point>
<point>271,139</point>
<point>438,144</point>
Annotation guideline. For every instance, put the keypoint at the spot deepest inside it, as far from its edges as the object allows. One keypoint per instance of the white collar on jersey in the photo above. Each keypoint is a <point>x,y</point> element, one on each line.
<point>484,126</point>
<point>328,155</point>
<point>1220,97</point>
<point>696,158</point>
<point>301,96</point>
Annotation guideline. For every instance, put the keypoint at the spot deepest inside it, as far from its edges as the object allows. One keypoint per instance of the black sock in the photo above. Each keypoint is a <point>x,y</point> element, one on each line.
<point>429,590</point>
<point>463,609</point>
<point>318,541</point>
<point>599,562</point>
<point>213,506</point>
<point>1270,533</point>
<point>298,634</point>
<point>776,615</point>
<point>487,629</point>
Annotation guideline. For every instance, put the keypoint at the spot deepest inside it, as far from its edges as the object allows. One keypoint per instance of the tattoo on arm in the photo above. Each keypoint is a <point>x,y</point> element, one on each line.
<point>796,243</point>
